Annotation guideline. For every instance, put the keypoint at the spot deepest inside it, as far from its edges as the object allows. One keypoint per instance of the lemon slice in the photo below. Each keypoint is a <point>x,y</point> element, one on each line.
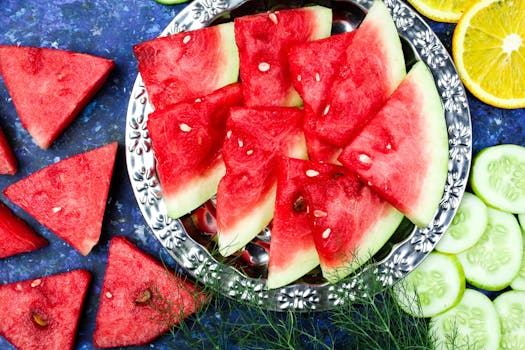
<point>441,10</point>
<point>488,46</point>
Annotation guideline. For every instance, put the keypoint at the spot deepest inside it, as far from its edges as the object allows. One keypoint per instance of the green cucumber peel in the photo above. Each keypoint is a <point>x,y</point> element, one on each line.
<point>494,261</point>
<point>472,324</point>
<point>498,177</point>
<point>518,283</point>
<point>433,287</point>
<point>510,306</point>
<point>466,228</point>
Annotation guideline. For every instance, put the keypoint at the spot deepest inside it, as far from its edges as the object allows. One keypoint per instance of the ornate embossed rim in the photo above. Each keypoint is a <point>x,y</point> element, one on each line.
<point>402,259</point>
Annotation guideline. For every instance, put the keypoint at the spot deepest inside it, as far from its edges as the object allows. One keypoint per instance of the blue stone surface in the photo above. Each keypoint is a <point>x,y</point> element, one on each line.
<point>109,28</point>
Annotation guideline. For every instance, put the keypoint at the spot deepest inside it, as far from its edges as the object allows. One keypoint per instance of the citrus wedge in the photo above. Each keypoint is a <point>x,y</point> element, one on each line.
<point>489,51</point>
<point>441,10</point>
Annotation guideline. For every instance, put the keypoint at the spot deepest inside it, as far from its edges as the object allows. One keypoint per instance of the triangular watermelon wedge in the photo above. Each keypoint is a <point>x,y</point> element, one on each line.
<point>350,222</point>
<point>264,39</point>
<point>292,248</point>
<point>313,79</point>
<point>8,163</point>
<point>187,140</point>
<point>403,152</point>
<point>49,87</point>
<point>371,69</point>
<point>69,197</point>
<point>188,65</point>
<point>140,299</point>
<point>245,198</point>
<point>43,313</point>
<point>16,236</point>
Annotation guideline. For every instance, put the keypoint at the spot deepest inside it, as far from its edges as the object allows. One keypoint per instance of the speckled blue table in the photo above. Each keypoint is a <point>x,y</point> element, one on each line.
<point>109,28</point>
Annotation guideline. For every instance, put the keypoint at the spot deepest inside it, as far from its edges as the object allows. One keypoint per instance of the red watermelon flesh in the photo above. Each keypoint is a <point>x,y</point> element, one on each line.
<point>69,197</point>
<point>246,194</point>
<point>8,163</point>
<point>313,80</point>
<point>263,41</point>
<point>187,140</point>
<point>43,313</point>
<point>350,222</point>
<point>140,299</point>
<point>371,69</point>
<point>188,65</point>
<point>319,150</point>
<point>292,248</point>
<point>405,159</point>
<point>61,85</point>
<point>16,236</point>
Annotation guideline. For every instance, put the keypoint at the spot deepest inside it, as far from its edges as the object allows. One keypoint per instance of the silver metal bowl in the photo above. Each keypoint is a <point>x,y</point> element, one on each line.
<point>243,277</point>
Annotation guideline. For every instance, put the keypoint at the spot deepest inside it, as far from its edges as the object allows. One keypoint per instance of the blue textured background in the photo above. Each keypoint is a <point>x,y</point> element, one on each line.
<point>109,28</point>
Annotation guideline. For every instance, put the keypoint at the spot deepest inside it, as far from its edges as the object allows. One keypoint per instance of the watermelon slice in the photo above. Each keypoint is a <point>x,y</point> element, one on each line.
<point>246,194</point>
<point>8,163</point>
<point>43,313</point>
<point>188,65</point>
<point>350,222</point>
<point>313,80</point>
<point>61,84</point>
<point>372,68</point>
<point>187,140</point>
<point>292,248</point>
<point>16,236</point>
<point>140,299</point>
<point>405,160</point>
<point>263,41</point>
<point>69,197</point>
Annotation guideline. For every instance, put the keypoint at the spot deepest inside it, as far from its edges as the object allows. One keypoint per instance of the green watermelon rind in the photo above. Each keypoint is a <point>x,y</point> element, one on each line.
<point>196,192</point>
<point>300,262</point>
<point>374,239</point>
<point>256,219</point>
<point>437,153</point>
<point>230,70</point>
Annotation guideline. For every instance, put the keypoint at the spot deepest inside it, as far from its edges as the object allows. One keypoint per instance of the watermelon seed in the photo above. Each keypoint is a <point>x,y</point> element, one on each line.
<point>273,18</point>
<point>363,158</point>
<point>184,127</point>
<point>299,205</point>
<point>186,39</point>
<point>36,283</point>
<point>56,209</point>
<point>326,233</point>
<point>229,134</point>
<point>299,77</point>
<point>320,214</point>
<point>144,297</point>
<point>249,152</point>
<point>389,146</point>
<point>109,295</point>
<point>198,100</point>
<point>241,144</point>
<point>326,110</point>
<point>264,67</point>
<point>317,77</point>
<point>312,173</point>
<point>39,319</point>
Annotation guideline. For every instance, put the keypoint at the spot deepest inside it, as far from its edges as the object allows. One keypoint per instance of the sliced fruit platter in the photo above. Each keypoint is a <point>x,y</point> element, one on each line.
<point>279,138</point>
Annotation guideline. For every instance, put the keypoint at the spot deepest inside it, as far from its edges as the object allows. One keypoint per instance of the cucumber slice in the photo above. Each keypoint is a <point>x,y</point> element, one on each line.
<point>498,177</point>
<point>518,282</point>
<point>466,228</point>
<point>494,261</point>
<point>511,309</point>
<point>472,324</point>
<point>433,287</point>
